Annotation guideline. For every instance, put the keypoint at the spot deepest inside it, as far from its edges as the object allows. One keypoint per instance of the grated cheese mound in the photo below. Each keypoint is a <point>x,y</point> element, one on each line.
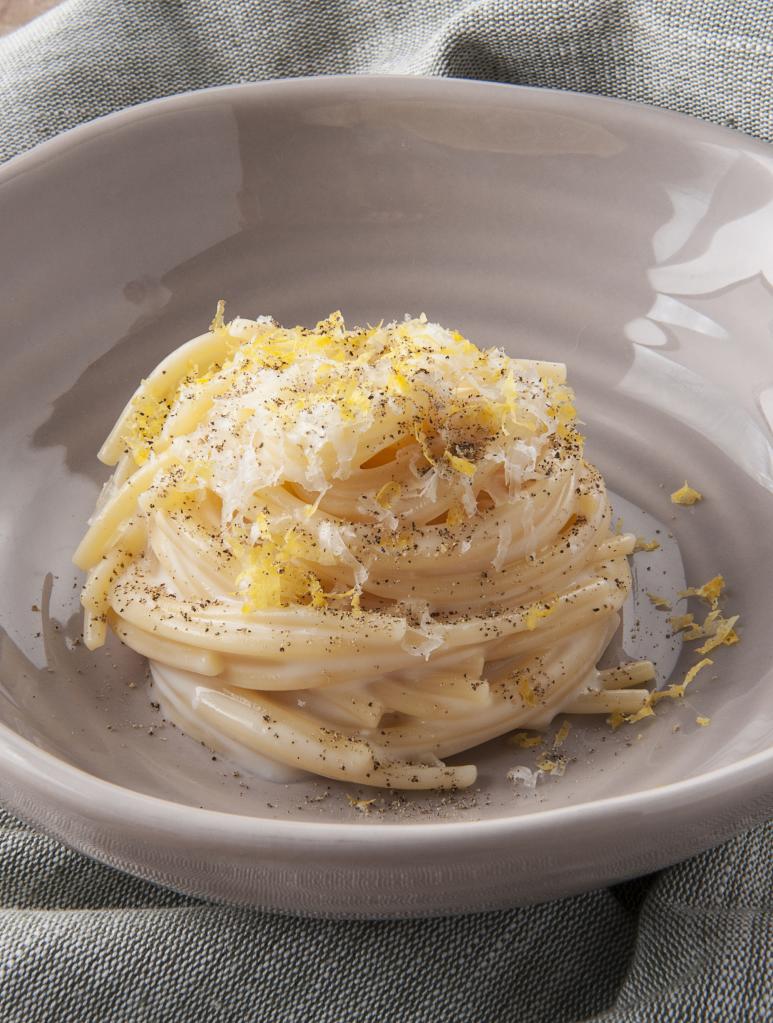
<point>297,407</point>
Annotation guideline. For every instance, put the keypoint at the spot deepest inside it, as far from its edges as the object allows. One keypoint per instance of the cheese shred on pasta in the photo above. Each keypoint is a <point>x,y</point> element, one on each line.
<point>358,552</point>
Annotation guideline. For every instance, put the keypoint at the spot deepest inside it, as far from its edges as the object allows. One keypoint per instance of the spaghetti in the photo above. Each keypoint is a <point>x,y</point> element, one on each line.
<point>358,552</point>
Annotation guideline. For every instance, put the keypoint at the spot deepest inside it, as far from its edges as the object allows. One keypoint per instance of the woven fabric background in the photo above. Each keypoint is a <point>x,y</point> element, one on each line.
<point>82,942</point>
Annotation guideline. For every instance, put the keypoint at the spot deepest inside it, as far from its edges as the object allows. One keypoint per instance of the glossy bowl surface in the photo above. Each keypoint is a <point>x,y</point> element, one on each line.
<point>630,243</point>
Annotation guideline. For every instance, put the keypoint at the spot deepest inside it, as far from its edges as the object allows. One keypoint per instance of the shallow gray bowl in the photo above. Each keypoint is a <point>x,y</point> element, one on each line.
<point>630,243</point>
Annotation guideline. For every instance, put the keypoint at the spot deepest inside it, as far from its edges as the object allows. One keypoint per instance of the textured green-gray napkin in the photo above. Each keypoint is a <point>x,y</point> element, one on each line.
<point>82,942</point>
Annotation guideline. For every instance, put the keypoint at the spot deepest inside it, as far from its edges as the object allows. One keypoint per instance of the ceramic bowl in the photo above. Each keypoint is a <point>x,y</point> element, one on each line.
<point>630,243</point>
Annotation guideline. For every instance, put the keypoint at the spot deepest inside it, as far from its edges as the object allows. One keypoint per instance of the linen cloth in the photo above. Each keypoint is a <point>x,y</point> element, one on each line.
<point>82,942</point>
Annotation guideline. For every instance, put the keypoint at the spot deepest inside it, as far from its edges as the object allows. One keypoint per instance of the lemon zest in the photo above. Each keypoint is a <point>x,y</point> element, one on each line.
<point>270,576</point>
<point>185,482</point>
<point>317,594</point>
<point>686,495</point>
<point>388,494</point>
<point>645,545</point>
<point>710,591</point>
<point>645,711</point>
<point>562,734</point>
<point>461,465</point>
<point>455,515</point>
<point>724,632</point>
<point>397,382</point>
<point>680,622</point>
<point>677,690</point>
<point>615,719</point>
<point>421,437</point>
<point>551,763</point>
<point>535,613</point>
<point>526,741</point>
<point>363,805</point>
<point>146,421</point>
<point>218,321</point>
<point>526,691</point>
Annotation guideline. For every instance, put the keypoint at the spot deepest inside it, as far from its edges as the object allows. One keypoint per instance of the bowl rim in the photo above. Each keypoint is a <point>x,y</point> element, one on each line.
<point>117,801</point>
<point>21,757</point>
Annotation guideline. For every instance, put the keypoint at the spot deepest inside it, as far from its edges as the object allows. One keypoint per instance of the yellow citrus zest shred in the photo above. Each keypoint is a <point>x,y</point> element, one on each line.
<point>318,596</point>
<point>185,481</point>
<point>686,495</point>
<point>677,690</point>
<point>645,711</point>
<point>461,465</point>
<point>680,622</point>
<point>144,426</point>
<point>526,692</point>
<point>562,734</point>
<point>218,321</point>
<point>526,741</point>
<point>455,515</point>
<point>551,763</point>
<point>421,437</point>
<point>270,576</point>
<point>397,383</point>
<point>363,805</point>
<point>645,545</point>
<point>725,634</point>
<point>710,591</point>
<point>535,613</point>
<point>388,494</point>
